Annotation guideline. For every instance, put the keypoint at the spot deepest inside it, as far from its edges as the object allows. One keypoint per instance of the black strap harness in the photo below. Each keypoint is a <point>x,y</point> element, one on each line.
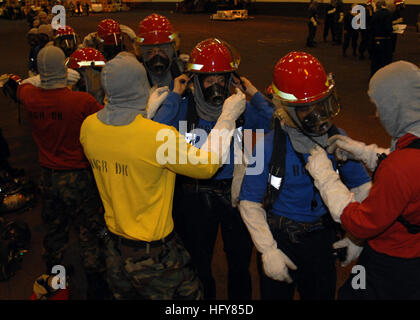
<point>277,166</point>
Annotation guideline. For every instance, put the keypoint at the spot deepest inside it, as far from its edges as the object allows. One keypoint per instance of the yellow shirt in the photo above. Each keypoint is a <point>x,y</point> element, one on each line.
<point>136,189</point>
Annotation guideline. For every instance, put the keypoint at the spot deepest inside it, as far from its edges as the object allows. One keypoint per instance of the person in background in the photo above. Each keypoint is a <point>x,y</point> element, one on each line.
<point>365,34</point>
<point>329,20</point>
<point>86,8</point>
<point>312,23</point>
<point>397,18</point>
<point>338,22</point>
<point>381,32</point>
<point>350,34</point>
<point>158,47</point>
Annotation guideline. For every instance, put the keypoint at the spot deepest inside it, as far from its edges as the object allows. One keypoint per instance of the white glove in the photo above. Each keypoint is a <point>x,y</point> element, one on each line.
<point>156,98</point>
<point>220,136</point>
<point>233,106</point>
<point>346,148</point>
<point>239,171</point>
<point>353,250</point>
<point>275,262</point>
<point>335,194</point>
<point>72,77</point>
<point>361,192</point>
<point>35,81</point>
<point>276,265</point>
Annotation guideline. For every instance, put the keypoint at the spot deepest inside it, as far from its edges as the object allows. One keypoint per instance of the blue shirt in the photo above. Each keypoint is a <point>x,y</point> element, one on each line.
<point>257,115</point>
<point>298,191</point>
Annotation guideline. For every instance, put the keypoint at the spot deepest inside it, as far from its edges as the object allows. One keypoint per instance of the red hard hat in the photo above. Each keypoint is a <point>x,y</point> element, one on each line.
<point>86,57</point>
<point>399,2</point>
<point>155,29</point>
<point>213,56</point>
<point>300,78</point>
<point>109,32</point>
<point>66,31</point>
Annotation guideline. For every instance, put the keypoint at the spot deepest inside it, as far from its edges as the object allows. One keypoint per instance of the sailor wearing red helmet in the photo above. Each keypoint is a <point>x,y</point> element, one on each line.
<point>66,39</point>
<point>110,38</point>
<point>200,207</point>
<point>158,44</point>
<point>292,231</point>
<point>88,62</point>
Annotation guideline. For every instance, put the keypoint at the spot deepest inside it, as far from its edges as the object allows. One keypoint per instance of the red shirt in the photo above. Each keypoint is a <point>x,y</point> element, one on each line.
<point>395,191</point>
<point>56,116</point>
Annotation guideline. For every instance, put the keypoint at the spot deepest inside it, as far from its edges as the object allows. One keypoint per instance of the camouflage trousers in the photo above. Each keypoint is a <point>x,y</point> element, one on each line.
<point>70,198</point>
<point>155,273</point>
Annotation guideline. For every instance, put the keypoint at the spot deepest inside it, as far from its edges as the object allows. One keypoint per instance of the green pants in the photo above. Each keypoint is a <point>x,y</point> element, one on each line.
<point>157,273</point>
<point>70,198</point>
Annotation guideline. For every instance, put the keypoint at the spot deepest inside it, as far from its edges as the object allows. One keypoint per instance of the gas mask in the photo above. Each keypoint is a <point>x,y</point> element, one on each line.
<point>43,39</point>
<point>110,51</point>
<point>90,81</point>
<point>32,40</point>
<point>158,64</point>
<point>216,94</point>
<point>67,44</point>
<point>315,119</point>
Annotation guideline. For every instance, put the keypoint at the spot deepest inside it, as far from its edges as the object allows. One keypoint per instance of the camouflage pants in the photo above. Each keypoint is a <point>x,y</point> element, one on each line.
<point>70,198</point>
<point>157,273</point>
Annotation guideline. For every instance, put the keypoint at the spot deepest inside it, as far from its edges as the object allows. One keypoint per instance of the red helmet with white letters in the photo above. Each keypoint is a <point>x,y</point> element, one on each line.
<point>305,92</point>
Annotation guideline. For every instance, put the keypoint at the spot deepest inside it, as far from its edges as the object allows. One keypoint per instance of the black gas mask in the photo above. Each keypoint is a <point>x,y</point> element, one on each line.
<point>43,40</point>
<point>110,51</point>
<point>32,40</point>
<point>90,81</point>
<point>158,64</point>
<point>216,94</point>
<point>67,44</point>
<point>316,118</point>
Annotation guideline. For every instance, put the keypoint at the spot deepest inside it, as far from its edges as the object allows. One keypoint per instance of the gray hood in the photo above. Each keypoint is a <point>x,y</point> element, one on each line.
<point>395,89</point>
<point>124,80</point>
<point>51,67</point>
<point>302,143</point>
